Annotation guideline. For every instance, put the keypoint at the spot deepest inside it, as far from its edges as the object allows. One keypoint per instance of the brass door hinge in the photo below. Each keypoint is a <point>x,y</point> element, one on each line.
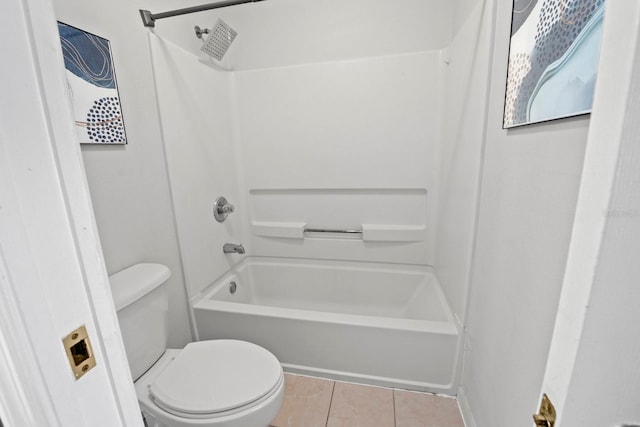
<point>546,417</point>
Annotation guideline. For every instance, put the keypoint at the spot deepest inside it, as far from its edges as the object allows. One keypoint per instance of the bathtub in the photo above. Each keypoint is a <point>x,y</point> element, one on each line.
<point>372,323</point>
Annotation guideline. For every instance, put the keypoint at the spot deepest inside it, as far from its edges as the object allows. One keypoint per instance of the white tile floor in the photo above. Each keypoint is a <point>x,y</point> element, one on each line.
<point>316,402</point>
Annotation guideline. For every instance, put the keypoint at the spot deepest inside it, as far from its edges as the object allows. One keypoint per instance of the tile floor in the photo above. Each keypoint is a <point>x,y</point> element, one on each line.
<point>315,402</point>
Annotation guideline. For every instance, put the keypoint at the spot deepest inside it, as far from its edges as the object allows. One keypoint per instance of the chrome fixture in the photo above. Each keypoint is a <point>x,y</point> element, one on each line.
<point>222,208</point>
<point>231,248</point>
<point>331,230</point>
<point>149,19</point>
<point>200,31</point>
<point>219,39</point>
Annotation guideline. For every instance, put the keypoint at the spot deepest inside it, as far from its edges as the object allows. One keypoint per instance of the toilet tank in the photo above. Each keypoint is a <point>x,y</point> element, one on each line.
<point>142,301</point>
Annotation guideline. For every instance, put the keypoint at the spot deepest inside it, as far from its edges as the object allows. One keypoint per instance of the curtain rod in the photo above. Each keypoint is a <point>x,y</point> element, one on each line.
<point>149,19</point>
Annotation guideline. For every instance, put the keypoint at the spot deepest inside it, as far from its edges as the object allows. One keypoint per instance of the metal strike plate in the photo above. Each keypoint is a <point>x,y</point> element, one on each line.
<point>79,352</point>
<point>546,416</point>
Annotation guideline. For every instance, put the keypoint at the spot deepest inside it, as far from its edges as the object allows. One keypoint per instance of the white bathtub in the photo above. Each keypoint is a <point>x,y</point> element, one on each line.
<point>383,324</point>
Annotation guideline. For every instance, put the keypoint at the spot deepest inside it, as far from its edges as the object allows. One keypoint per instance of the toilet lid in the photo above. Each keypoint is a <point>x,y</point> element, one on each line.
<point>215,376</point>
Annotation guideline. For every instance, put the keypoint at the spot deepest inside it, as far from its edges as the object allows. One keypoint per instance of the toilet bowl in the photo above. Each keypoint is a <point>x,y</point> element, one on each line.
<point>212,383</point>
<point>226,383</point>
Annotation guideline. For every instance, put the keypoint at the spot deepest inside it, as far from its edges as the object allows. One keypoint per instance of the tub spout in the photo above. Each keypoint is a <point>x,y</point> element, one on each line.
<point>231,248</point>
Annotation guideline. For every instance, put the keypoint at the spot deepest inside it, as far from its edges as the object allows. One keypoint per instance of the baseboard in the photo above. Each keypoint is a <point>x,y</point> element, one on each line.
<point>465,409</point>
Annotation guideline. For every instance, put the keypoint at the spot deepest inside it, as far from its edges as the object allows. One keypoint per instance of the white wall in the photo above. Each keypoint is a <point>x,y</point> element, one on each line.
<point>528,199</point>
<point>129,185</point>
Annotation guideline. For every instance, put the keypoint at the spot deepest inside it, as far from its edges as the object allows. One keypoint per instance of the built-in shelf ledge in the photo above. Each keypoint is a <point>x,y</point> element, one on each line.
<point>393,233</point>
<point>287,230</point>
<point>370,232</point>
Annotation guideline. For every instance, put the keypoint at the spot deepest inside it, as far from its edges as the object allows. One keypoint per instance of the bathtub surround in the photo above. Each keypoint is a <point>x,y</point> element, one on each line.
<point>305,131</point>
<point>463,128</point>
<point>329,130</point>
<point>347,145</point>
<point>202,161</point>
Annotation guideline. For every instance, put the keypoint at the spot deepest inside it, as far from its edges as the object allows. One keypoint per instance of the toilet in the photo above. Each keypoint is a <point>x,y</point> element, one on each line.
<point>226,383</point>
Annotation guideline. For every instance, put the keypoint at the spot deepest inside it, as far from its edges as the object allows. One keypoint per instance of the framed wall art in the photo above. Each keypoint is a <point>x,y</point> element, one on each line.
<point>92,85</point>
<point>553,59</point>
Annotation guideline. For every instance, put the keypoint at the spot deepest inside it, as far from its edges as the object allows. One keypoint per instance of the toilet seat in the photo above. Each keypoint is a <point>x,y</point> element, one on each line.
<point>210,379</point>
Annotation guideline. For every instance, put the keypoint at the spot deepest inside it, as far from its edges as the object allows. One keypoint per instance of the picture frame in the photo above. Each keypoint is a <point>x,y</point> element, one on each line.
<point>92,86</point>
<point>554,51</point>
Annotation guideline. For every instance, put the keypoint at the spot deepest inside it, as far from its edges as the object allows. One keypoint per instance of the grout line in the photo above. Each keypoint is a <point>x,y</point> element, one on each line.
<point>393,391</point>
<point>333,388</point>
<point>393,396</point>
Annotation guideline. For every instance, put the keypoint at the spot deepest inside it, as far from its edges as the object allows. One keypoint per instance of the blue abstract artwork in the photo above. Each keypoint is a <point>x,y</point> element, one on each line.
<point>92,85</point>
<point>553,59</point>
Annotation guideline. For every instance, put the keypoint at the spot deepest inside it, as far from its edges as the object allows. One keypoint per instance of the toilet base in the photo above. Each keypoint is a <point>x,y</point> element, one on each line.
<point>258,415</point>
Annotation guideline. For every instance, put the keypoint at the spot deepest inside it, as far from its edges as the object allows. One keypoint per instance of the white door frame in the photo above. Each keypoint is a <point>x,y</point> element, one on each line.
<point>615,119</point>
<point>52,273</point>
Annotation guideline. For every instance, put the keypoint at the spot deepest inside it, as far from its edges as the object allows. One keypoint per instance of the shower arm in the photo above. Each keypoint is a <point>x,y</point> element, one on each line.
<point>149,19</point>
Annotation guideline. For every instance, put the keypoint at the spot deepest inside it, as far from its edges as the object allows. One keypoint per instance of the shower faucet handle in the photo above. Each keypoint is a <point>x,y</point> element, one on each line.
<point>226,209</point>
<point>221,209</point>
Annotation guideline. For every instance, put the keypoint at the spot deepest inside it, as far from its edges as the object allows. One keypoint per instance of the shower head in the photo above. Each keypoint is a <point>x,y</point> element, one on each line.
<point>200,31</point>
<point>219,39</point>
